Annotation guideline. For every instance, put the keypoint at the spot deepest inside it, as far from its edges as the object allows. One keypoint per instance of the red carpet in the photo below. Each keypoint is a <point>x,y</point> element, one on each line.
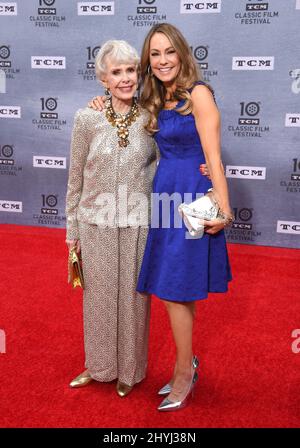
<point>250,376</point>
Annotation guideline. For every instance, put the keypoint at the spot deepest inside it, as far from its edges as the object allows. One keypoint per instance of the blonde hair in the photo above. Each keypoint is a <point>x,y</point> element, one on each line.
<point>117,50</point>
<point>154,92</point>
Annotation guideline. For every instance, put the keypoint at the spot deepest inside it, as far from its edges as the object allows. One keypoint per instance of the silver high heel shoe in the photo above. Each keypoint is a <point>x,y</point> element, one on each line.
<point>168,405</point>
<point>166,390</point>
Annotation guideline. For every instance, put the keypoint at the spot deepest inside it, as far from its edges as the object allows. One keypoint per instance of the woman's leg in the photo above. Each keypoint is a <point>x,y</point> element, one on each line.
<point>181,315</point>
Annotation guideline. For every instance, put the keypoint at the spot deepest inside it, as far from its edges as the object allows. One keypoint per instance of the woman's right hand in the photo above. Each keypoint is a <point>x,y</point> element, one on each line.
<point>72,243</point>
<point>97,103</point>
<point>204,170</point>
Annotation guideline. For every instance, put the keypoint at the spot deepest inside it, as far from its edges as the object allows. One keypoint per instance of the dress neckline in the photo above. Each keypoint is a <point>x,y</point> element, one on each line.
<point>180,101</point>
<point>173,108</point>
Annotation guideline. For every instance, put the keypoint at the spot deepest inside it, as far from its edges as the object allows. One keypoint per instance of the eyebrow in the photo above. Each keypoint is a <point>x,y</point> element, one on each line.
<point>169,48</point>
<point>118,67</point>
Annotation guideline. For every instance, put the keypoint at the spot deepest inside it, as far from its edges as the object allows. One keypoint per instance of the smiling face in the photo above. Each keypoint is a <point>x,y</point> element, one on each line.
<point>164,60</point>
<point>121,80</point>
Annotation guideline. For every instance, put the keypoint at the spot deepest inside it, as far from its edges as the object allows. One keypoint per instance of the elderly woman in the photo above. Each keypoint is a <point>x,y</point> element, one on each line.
<point>112,165</point>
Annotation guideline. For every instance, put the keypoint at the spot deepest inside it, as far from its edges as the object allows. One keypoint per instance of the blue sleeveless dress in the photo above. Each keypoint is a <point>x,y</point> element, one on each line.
<point>175,267</point>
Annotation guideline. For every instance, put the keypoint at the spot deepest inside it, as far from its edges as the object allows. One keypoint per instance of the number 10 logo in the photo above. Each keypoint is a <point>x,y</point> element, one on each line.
<point>46,2</point>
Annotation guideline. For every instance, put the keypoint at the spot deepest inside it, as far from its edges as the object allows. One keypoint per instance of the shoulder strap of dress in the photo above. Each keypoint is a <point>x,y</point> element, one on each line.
<point>202,83</point>
<point>197,83</point>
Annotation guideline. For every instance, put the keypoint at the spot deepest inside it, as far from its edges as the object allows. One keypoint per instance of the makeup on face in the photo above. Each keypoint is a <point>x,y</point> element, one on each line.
<point>121,80</point>
<point>164,59</point>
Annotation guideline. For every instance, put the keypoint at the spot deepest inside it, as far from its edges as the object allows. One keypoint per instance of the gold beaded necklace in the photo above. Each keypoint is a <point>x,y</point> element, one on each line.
<point>122,121</point>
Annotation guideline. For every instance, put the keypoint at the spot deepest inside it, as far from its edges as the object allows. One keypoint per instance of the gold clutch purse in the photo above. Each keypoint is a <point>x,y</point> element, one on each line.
<point>75,274</point>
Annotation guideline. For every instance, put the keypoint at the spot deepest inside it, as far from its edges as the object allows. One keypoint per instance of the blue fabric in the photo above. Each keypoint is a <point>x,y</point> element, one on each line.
<point>176,268</point>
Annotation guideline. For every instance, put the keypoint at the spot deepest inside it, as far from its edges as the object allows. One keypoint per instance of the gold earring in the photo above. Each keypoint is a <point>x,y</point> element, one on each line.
<point>107,91</point>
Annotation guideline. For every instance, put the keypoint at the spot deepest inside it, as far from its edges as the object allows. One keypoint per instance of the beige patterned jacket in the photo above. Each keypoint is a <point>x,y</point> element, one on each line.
<point>109,185</point>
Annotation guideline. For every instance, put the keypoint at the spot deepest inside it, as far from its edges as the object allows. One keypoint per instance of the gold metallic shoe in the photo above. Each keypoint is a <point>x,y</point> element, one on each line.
<point>81,380</point>
<point>123,389</point>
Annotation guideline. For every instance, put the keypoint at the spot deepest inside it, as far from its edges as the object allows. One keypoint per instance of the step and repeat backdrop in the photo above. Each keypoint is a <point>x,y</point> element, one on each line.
<point>248,50</point>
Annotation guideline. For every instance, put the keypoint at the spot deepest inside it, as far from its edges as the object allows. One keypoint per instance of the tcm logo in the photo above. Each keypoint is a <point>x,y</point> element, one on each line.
<point>199,7</point>
<point>290,227</point>
<point>4,55</point>
<point>11,206</point>
<point>8,9</point>
<point>2,341</point>
<point>246,172</point>
<point>145,8</point>
<point>6,152</point>
<point>96,8</point>
<point>253,63</point>
<point>200,54</point>
<point>296,167</point>
<point>92,53</point>
<point>50,62</point>
<point>292,120</point>
<point>46,10</point>
<point>242,217</point>
<point>10,112</point>
<point>49,105</point>
<point>257,6</point>
<point>49,203</point>
<point>49,162</point>
<point>248,112</point>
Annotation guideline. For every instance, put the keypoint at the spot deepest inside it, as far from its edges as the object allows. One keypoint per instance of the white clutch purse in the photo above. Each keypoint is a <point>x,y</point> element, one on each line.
<point>205,207</point>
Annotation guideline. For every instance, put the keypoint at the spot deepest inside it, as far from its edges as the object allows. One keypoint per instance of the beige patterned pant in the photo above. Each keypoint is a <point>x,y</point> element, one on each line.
<point>116,317</point>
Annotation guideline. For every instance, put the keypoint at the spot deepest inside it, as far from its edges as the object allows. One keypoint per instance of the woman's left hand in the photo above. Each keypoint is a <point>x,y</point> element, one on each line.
<point>213,226</point>
<point>97,103</point>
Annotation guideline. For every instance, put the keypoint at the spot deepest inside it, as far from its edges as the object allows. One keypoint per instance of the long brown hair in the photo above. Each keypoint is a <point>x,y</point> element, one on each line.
<point>154,92</point>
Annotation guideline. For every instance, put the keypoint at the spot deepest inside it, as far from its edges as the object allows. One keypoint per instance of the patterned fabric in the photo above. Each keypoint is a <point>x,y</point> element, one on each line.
<point>116,317</point>
<point>99,165</point>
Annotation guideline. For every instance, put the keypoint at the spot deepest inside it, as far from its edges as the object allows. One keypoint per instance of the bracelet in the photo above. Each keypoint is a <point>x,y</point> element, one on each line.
<point>227,219</point>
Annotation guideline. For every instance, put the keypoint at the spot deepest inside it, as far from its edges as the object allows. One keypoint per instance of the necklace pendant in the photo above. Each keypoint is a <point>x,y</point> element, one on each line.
<point>123,142</point>
<point>122,122</point>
